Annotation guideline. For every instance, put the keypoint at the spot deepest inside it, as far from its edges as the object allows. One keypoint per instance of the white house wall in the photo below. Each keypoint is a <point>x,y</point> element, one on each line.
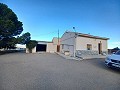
<point>67,42</point>
<point>51,48</point>
<point>68,38</point>
<point>81,43</point>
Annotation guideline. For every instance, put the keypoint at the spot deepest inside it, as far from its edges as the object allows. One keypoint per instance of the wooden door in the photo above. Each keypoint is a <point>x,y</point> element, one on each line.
<point>58,48</point>
<point>100,48</point>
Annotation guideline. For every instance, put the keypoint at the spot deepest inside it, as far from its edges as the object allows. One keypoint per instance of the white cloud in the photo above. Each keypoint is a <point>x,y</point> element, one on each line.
<point>116,43</point>
<point>112,45</point>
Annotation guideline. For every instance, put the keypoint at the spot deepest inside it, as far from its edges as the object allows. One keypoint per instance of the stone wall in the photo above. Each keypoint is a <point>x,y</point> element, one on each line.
<point>88,52</point>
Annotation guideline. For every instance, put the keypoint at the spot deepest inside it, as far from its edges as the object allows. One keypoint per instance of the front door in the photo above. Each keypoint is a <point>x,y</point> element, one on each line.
<point>58,48</point>
<point>100,47</point>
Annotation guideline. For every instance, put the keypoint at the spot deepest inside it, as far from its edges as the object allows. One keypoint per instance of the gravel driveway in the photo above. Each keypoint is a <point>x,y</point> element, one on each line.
<point>46,71</point>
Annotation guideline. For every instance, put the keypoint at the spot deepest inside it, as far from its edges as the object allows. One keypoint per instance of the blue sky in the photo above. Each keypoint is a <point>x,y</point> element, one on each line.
<point>43,18</point>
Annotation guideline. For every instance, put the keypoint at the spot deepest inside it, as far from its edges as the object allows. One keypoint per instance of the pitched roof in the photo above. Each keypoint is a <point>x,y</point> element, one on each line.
<point>90,36</point>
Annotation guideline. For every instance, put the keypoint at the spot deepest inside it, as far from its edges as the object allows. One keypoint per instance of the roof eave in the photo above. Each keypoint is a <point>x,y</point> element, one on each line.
<point>91,36</point>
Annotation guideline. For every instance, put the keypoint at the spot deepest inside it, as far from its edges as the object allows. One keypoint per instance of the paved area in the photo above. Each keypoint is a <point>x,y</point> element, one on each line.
<point>52,72</point>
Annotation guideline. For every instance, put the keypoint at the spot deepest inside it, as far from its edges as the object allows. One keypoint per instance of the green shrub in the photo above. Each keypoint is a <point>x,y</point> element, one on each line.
<point>31,44</point>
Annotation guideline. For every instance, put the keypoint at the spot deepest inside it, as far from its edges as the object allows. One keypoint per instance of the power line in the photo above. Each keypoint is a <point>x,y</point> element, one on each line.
<point>46,34</point>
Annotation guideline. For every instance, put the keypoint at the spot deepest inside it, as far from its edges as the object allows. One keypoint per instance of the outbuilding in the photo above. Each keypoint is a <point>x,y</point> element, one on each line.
<point>45,46</point>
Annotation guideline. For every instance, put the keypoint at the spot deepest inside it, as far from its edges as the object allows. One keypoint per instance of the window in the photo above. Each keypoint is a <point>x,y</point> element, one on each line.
<point>89,47</point>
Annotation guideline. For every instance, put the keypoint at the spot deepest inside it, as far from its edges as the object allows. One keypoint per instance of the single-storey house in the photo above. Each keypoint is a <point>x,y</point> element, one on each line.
<point>45,46</point>
<point>75,44</point>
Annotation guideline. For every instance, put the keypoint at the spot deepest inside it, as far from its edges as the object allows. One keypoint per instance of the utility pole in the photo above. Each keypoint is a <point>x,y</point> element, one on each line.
<point>58,37</point>
<point>74,42</point>
<point>58,46</point>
